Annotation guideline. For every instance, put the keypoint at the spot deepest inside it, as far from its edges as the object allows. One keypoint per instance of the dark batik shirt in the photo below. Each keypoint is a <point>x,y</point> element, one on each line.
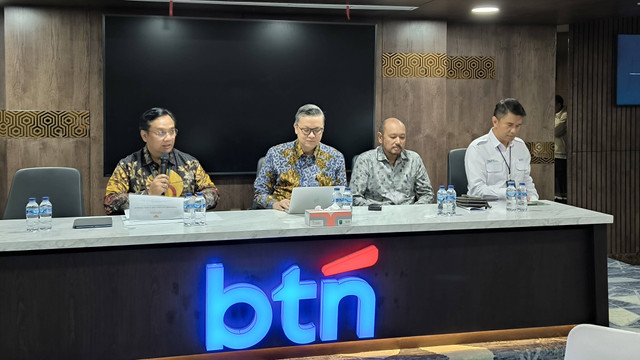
<point>135,173</point>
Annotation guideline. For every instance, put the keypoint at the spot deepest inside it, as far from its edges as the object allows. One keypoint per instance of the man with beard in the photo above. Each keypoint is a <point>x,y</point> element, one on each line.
<point>390,174</point>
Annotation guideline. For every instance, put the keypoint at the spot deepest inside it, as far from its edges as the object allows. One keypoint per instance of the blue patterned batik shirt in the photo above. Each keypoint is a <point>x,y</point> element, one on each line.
<point>286,167</point>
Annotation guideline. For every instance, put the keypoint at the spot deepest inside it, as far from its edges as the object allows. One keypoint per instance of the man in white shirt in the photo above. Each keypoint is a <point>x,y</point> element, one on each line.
<point>493,159</point>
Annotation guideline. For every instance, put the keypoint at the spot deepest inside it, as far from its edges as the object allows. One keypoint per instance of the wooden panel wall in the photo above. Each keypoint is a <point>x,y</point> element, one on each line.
<point>418,102</point>
<point>3,141</point>
<point>525,70</point>
<point>47,68</point>
<point>603,150</point>
<point>54,62</point>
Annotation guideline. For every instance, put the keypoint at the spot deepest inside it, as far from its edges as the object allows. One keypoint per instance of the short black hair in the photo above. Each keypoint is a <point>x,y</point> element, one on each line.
<point>509,105</point>
<point>559,100</point>
<point>152,114</point>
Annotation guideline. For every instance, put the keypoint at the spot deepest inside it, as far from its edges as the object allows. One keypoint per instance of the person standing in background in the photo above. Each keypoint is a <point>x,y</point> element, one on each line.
<point>560,151</point>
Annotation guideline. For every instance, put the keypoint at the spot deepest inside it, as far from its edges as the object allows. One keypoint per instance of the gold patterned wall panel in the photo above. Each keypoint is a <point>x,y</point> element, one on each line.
<point>541,152</point>
<point>419,65</point>
<point>44,124</point>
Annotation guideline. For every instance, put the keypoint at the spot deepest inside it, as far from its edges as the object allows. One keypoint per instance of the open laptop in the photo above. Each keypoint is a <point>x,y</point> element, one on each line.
<point>307,198</point>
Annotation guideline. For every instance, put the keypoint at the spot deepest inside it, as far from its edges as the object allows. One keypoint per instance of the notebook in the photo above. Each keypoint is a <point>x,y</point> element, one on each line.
<point>91,222</point>
<point>307,198</point>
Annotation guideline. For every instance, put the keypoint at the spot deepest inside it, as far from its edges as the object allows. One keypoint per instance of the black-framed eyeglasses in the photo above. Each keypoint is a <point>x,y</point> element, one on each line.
<point>307,131</point>
<point>162,133</point>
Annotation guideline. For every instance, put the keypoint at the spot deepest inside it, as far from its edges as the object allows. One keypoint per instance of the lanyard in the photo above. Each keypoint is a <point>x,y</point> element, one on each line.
<point>505,160</point>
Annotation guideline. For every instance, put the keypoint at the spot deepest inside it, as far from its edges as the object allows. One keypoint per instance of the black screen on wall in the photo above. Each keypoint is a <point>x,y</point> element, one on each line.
<point>235,85</point>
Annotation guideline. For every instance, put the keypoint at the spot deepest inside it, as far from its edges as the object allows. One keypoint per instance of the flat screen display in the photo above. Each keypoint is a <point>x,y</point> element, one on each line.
<point>235,85</point>
<point>628,89</point>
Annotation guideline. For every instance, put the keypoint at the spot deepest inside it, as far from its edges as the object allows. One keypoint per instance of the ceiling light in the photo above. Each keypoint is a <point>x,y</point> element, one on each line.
<point>290,5</point>
<point>485,10</point>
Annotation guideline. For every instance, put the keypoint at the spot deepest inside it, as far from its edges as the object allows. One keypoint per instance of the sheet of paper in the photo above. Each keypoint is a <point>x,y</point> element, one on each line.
<point>211,217</point>
<point>150,207</point>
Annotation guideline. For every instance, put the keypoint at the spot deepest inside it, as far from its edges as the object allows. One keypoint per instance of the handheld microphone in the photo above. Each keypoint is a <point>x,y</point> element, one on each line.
<point>164,162</point>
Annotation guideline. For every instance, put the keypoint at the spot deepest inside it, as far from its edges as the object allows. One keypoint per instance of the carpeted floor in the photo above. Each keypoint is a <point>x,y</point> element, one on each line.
<point>624,313</point>
<point>624,295</point>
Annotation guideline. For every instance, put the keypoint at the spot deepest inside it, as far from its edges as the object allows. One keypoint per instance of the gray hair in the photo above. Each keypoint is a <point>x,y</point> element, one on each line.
<point>308,110</point>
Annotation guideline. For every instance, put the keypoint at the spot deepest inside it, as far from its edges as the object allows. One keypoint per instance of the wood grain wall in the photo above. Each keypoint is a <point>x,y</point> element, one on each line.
<point>3,141</point>
<point>443,114</point>
<point>54,62</point>
<point>603,151</point>
<point>47,53</point>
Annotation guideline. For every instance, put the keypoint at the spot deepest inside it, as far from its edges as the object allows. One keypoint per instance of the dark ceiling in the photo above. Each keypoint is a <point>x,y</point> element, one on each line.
<point>548,12</point>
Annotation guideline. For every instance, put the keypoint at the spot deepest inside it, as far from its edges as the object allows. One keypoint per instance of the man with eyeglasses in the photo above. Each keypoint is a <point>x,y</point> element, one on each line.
<point>302,162</point>
<point>140,172</point>
<point>390,174</point>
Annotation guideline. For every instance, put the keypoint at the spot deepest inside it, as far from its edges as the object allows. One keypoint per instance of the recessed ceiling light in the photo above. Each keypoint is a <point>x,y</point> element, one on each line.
<point>485,10</point>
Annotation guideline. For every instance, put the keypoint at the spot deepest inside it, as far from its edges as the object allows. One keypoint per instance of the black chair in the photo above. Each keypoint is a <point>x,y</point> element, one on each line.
<point>254,205</point>
<point>62,185</point>
<point>456,174</point>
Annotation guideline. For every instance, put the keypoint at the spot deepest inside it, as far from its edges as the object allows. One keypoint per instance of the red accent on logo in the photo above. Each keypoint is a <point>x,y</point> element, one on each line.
<point>354,261</point>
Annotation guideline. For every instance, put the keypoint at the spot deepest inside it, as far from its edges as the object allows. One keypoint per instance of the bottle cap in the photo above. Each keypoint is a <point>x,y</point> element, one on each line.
<point>347,188</point>
<point>45,198</point>
<point>32,199</point>
<point>189,194</point>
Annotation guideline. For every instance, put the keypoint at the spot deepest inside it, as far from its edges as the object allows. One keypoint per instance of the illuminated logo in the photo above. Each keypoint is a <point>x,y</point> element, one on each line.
<point>289,293</point>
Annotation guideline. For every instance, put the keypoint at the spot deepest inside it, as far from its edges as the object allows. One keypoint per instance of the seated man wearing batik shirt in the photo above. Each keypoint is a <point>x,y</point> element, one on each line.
<point>390,174</point>
<point>303,162</point>
<point>139,172</point>
<point>493,159</point>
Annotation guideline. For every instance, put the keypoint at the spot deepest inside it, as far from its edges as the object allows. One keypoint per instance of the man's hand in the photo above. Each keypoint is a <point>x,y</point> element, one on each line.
<point>159,185</point>
<point>282,205</point>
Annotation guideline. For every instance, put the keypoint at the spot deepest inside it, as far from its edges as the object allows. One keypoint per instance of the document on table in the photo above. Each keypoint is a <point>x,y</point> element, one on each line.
<point>149,207</point>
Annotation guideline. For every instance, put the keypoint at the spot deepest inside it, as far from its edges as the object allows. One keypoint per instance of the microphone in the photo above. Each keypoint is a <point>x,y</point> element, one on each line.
<point>164,162</point>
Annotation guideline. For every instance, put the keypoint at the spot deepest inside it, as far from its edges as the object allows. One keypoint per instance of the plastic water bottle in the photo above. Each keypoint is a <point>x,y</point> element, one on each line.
<point>442,199</point>
<point>336,198</point>
<point>511,196</point>
<point>521,202</point>
<point>200,210</point>
<point>347,199</point>
<point>33,215</point>
<point>46,212</point>
<point>188,209</point>
<point>451,201</point>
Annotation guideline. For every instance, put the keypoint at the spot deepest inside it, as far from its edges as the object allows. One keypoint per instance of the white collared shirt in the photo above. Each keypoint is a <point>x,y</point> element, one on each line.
<point>487,163</point>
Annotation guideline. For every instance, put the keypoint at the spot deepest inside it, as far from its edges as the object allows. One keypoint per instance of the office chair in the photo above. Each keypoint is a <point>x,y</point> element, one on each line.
<point>260,163</point>
<point>456,174</point>
<point>593,342</point>
<point>62,185</point>
<point>254,205</point>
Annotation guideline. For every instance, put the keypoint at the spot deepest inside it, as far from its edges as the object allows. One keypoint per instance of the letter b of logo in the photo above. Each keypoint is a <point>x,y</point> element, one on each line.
<point>219,299</point>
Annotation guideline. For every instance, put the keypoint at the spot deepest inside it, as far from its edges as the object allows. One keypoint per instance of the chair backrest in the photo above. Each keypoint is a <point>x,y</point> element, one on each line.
<point>593,342</point>
<point>456,174</point>
<point>254,205</point>
<point>62,185</point>
<point>353,161</point>
<point>260,163</point>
